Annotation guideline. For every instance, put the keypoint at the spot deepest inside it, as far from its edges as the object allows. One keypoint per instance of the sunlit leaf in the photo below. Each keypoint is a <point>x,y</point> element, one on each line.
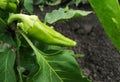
<point>64,14</point>
<point>108,12</point>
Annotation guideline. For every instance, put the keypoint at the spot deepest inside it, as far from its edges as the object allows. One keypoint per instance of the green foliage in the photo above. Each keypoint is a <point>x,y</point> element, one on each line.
<point>41,62</point>
<point>28,4</point>
<point>60,67</point>
<point>28,64</point>
<point>64,14</point>
<point>7,59</point>
<point>108,12</point>
<point>48,2</point>
<point>3,16</point>
<point>2,23</point>
<point>56,2</point>
<point>77,2</point>
<point>7,56</point>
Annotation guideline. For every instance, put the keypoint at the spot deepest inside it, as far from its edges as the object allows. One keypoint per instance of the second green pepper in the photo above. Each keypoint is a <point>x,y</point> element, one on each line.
<point>9,5</point>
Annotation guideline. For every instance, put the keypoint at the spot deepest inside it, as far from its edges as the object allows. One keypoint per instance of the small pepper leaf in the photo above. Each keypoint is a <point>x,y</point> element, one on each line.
<point>28,4</point>
<point>53,2</point>
<point>64,14</point>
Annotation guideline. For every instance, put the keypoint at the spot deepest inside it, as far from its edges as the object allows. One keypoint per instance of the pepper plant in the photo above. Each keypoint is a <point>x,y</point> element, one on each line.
<point>31,51</point>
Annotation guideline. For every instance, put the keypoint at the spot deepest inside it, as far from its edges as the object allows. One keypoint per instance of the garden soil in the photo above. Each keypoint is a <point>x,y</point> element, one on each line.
<point>101,62</point>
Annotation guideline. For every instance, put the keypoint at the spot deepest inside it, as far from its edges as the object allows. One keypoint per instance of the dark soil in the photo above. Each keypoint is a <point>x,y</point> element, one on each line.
<point>101,62</point>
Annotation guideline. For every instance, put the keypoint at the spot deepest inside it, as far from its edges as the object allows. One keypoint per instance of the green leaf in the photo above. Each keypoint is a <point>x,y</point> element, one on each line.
<point>7,55</point>
<point>28,61</point>
<point>2,23</point>
<point>5,37</point>
<point>48,2</point>
<point>60,67</point>
<point>64,14</point>
<point>45,72</point>
<point>108,12</point>
<point>50,49</point>
<point>65,66</point>
<point>3,18</point>
<point>53,2</point>
<point>28,4</point>
<point>7,59</point>
<point>37,2</point>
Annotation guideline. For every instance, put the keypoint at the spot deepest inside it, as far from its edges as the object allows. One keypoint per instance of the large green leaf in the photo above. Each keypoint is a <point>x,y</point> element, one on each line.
<point>7,59</point>
<point>64,14</point>
<point>60,67</point>
<point>108,12</point>
<point>65,66</point>
<point>7,55</point>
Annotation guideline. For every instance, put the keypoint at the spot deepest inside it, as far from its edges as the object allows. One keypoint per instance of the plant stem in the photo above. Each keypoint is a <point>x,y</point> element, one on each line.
<point>18,67</point>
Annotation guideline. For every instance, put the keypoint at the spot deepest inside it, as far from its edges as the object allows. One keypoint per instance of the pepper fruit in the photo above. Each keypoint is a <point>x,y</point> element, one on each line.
<point>33,27</point>
<point>9,5</point>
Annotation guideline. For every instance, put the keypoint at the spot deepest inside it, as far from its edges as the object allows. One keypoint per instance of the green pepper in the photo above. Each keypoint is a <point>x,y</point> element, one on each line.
<point>33,27</point>
<point>9,5</point>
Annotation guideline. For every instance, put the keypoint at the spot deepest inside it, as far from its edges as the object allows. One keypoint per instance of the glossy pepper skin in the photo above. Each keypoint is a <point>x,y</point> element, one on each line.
<point>9,5</point>
<point>33,27</point>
